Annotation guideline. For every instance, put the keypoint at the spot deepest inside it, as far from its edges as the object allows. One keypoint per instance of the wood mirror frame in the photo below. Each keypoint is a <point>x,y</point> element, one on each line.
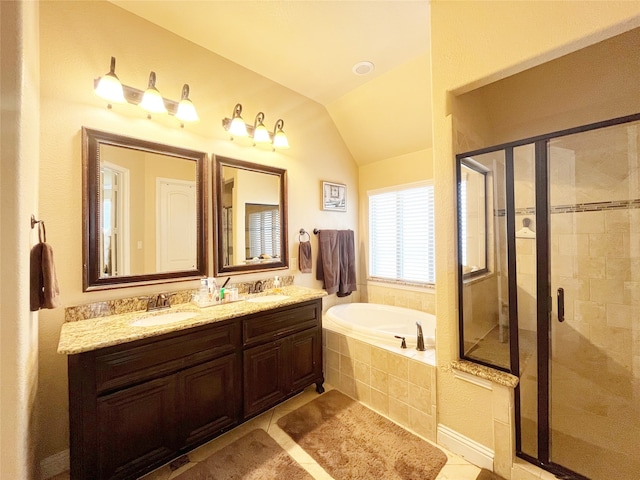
<point>93,278</point>
<point>220,266</point>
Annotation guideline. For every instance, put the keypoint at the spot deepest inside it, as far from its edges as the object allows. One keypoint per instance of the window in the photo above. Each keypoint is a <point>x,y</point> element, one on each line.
<point>401,234</point>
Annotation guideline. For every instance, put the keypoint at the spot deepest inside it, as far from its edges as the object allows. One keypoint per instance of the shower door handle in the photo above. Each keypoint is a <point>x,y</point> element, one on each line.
<point>561,304</point>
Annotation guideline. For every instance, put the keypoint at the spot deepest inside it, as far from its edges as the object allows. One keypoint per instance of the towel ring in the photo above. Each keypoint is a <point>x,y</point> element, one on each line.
<point>302,233</point>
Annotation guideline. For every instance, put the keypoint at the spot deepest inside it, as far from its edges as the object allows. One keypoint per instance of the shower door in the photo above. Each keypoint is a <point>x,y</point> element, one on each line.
<point>563,267</point>
<point>593,180</point>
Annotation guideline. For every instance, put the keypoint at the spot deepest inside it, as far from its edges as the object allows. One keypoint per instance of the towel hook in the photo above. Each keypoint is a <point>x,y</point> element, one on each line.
<point>42,232</point>
<point>316,231</point>
<point>34,222</point>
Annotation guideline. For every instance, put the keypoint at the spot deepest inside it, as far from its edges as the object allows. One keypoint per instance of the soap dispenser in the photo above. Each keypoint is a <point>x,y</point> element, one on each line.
<point>276,284</point>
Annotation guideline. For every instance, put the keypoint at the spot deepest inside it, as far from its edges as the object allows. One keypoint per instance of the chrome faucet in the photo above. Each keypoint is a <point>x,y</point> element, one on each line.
<point>257,287</point>
<point>420,346</point>
<point>159,302</point>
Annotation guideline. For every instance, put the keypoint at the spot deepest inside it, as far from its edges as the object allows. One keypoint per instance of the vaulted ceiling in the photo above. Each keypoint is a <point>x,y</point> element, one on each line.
<point>311,47</point>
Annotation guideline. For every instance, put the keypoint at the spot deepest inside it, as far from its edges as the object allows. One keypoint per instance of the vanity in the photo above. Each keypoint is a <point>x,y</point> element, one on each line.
<point>141,396</point>
<point>146,388</point>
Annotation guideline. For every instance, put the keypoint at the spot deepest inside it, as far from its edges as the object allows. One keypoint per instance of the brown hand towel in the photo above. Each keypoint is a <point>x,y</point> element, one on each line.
<point>328,260</point>
<point>346,245</point>
<point>336,264</point>
<point>304,257</point>
<point>44,291</point>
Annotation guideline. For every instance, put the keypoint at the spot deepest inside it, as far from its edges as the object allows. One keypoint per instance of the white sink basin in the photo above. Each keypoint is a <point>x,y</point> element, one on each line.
<point>268,298</point>
<point>162,319</point>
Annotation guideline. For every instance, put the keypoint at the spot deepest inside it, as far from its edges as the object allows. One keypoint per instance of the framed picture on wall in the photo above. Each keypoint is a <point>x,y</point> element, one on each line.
<point>334,197</point>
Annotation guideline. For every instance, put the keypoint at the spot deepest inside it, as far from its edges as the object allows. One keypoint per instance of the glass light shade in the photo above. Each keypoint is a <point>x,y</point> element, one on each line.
<point>186,111</point>
<point>110,88</point>
<point>152,101</point>
<point>280,140</point>
<point>238,128</point>
<point>261,134</point>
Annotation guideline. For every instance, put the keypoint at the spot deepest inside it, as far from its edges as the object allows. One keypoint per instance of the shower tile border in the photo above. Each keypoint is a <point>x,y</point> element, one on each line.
<point>577,208</point>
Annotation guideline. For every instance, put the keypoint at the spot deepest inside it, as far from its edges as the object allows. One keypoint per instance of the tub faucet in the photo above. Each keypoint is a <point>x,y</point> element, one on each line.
<point>420,346</point>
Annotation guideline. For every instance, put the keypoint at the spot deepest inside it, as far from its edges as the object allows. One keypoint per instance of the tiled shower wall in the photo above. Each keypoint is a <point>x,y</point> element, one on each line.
<point>596,259</point>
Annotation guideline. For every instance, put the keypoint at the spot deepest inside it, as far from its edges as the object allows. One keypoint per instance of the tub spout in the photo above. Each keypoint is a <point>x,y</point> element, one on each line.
<point>420,346</point>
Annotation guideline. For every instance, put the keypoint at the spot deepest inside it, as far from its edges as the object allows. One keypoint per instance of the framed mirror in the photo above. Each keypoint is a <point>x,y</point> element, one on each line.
<point>472,217</point>
<point>250,217</point>
<point>144,217</point>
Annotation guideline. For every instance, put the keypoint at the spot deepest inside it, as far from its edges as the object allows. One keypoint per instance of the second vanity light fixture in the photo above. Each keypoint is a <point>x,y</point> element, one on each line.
<point>258,132</point>
<point>112,90</point>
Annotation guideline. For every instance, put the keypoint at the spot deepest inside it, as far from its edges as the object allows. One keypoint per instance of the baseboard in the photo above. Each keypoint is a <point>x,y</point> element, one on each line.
<point>469,449</point>
<point>54,465</point>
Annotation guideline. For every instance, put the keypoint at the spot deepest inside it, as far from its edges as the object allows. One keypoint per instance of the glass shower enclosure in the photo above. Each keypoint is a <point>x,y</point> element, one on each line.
<point>557,302</point>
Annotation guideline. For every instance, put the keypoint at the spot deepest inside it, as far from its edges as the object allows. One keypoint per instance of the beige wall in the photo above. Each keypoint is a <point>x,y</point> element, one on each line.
<point>77,40</point>
<point>410,168</point>
<point>501,39</point>
<point>19,159</point>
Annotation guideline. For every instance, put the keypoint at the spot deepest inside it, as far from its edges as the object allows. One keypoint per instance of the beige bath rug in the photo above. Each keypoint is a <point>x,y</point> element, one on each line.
<point>256,456</point>
<point>352,442</point>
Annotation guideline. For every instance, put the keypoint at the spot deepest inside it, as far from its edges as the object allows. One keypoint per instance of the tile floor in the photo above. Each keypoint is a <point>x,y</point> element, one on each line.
<point>456,468</point>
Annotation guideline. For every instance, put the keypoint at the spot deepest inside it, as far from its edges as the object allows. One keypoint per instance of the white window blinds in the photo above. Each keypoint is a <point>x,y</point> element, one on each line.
<point>264,233</point>
<point>401,235</point>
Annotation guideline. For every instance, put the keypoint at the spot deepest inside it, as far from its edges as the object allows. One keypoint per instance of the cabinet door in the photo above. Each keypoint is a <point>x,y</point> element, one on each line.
<point>265,377</point>
<point>306,358</point>
<point>136,428</point>
<point>209,399</point>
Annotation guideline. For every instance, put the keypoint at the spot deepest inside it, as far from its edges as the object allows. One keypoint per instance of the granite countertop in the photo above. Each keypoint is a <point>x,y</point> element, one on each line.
<point>92,334</point>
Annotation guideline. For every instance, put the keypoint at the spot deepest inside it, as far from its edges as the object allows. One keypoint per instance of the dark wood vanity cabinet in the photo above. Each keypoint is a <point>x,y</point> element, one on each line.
<point>135,406</point>
<point>282,355</point>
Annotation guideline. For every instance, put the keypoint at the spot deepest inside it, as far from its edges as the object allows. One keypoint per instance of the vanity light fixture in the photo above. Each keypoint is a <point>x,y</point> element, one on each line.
<point>152,101</point>
<point>236,126</point>
<point>279,138</point>
<point>109,88</point>
<point>258,132</point>
<point>186,110</point>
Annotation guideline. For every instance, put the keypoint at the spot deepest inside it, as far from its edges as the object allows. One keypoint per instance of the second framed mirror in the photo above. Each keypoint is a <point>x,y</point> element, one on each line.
<point>250,217</point>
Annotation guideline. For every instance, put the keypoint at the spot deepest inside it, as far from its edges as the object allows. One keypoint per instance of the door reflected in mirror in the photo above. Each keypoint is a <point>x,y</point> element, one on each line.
<point>150,228</point>
<point>144,211</point>
<point>250,203</point>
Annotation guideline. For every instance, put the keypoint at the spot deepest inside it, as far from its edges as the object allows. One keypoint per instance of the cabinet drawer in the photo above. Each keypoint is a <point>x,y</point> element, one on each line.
<point>120,366</point>
<point>278,324</point>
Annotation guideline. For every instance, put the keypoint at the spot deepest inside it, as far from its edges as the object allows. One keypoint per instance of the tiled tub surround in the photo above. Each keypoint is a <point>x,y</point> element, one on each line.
<point>400,384</point>
<point>423,299</point>
<point>91,334</point>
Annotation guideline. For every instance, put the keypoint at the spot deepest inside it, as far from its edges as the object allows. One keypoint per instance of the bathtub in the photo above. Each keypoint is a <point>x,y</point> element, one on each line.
<point>380,324</point>
<point>364,360</point>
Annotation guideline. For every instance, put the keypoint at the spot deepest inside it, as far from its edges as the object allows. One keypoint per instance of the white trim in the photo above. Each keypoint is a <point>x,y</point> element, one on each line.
<point>467,377</point>
<point>54,465</point>
<point>470,450</point>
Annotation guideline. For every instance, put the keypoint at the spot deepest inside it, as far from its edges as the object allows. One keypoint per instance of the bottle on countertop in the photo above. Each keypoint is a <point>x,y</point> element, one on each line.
<point>203,293</point>
<point>276,284</point>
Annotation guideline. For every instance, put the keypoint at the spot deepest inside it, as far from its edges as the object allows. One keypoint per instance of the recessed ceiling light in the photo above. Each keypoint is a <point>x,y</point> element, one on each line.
<point>363,68</point>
